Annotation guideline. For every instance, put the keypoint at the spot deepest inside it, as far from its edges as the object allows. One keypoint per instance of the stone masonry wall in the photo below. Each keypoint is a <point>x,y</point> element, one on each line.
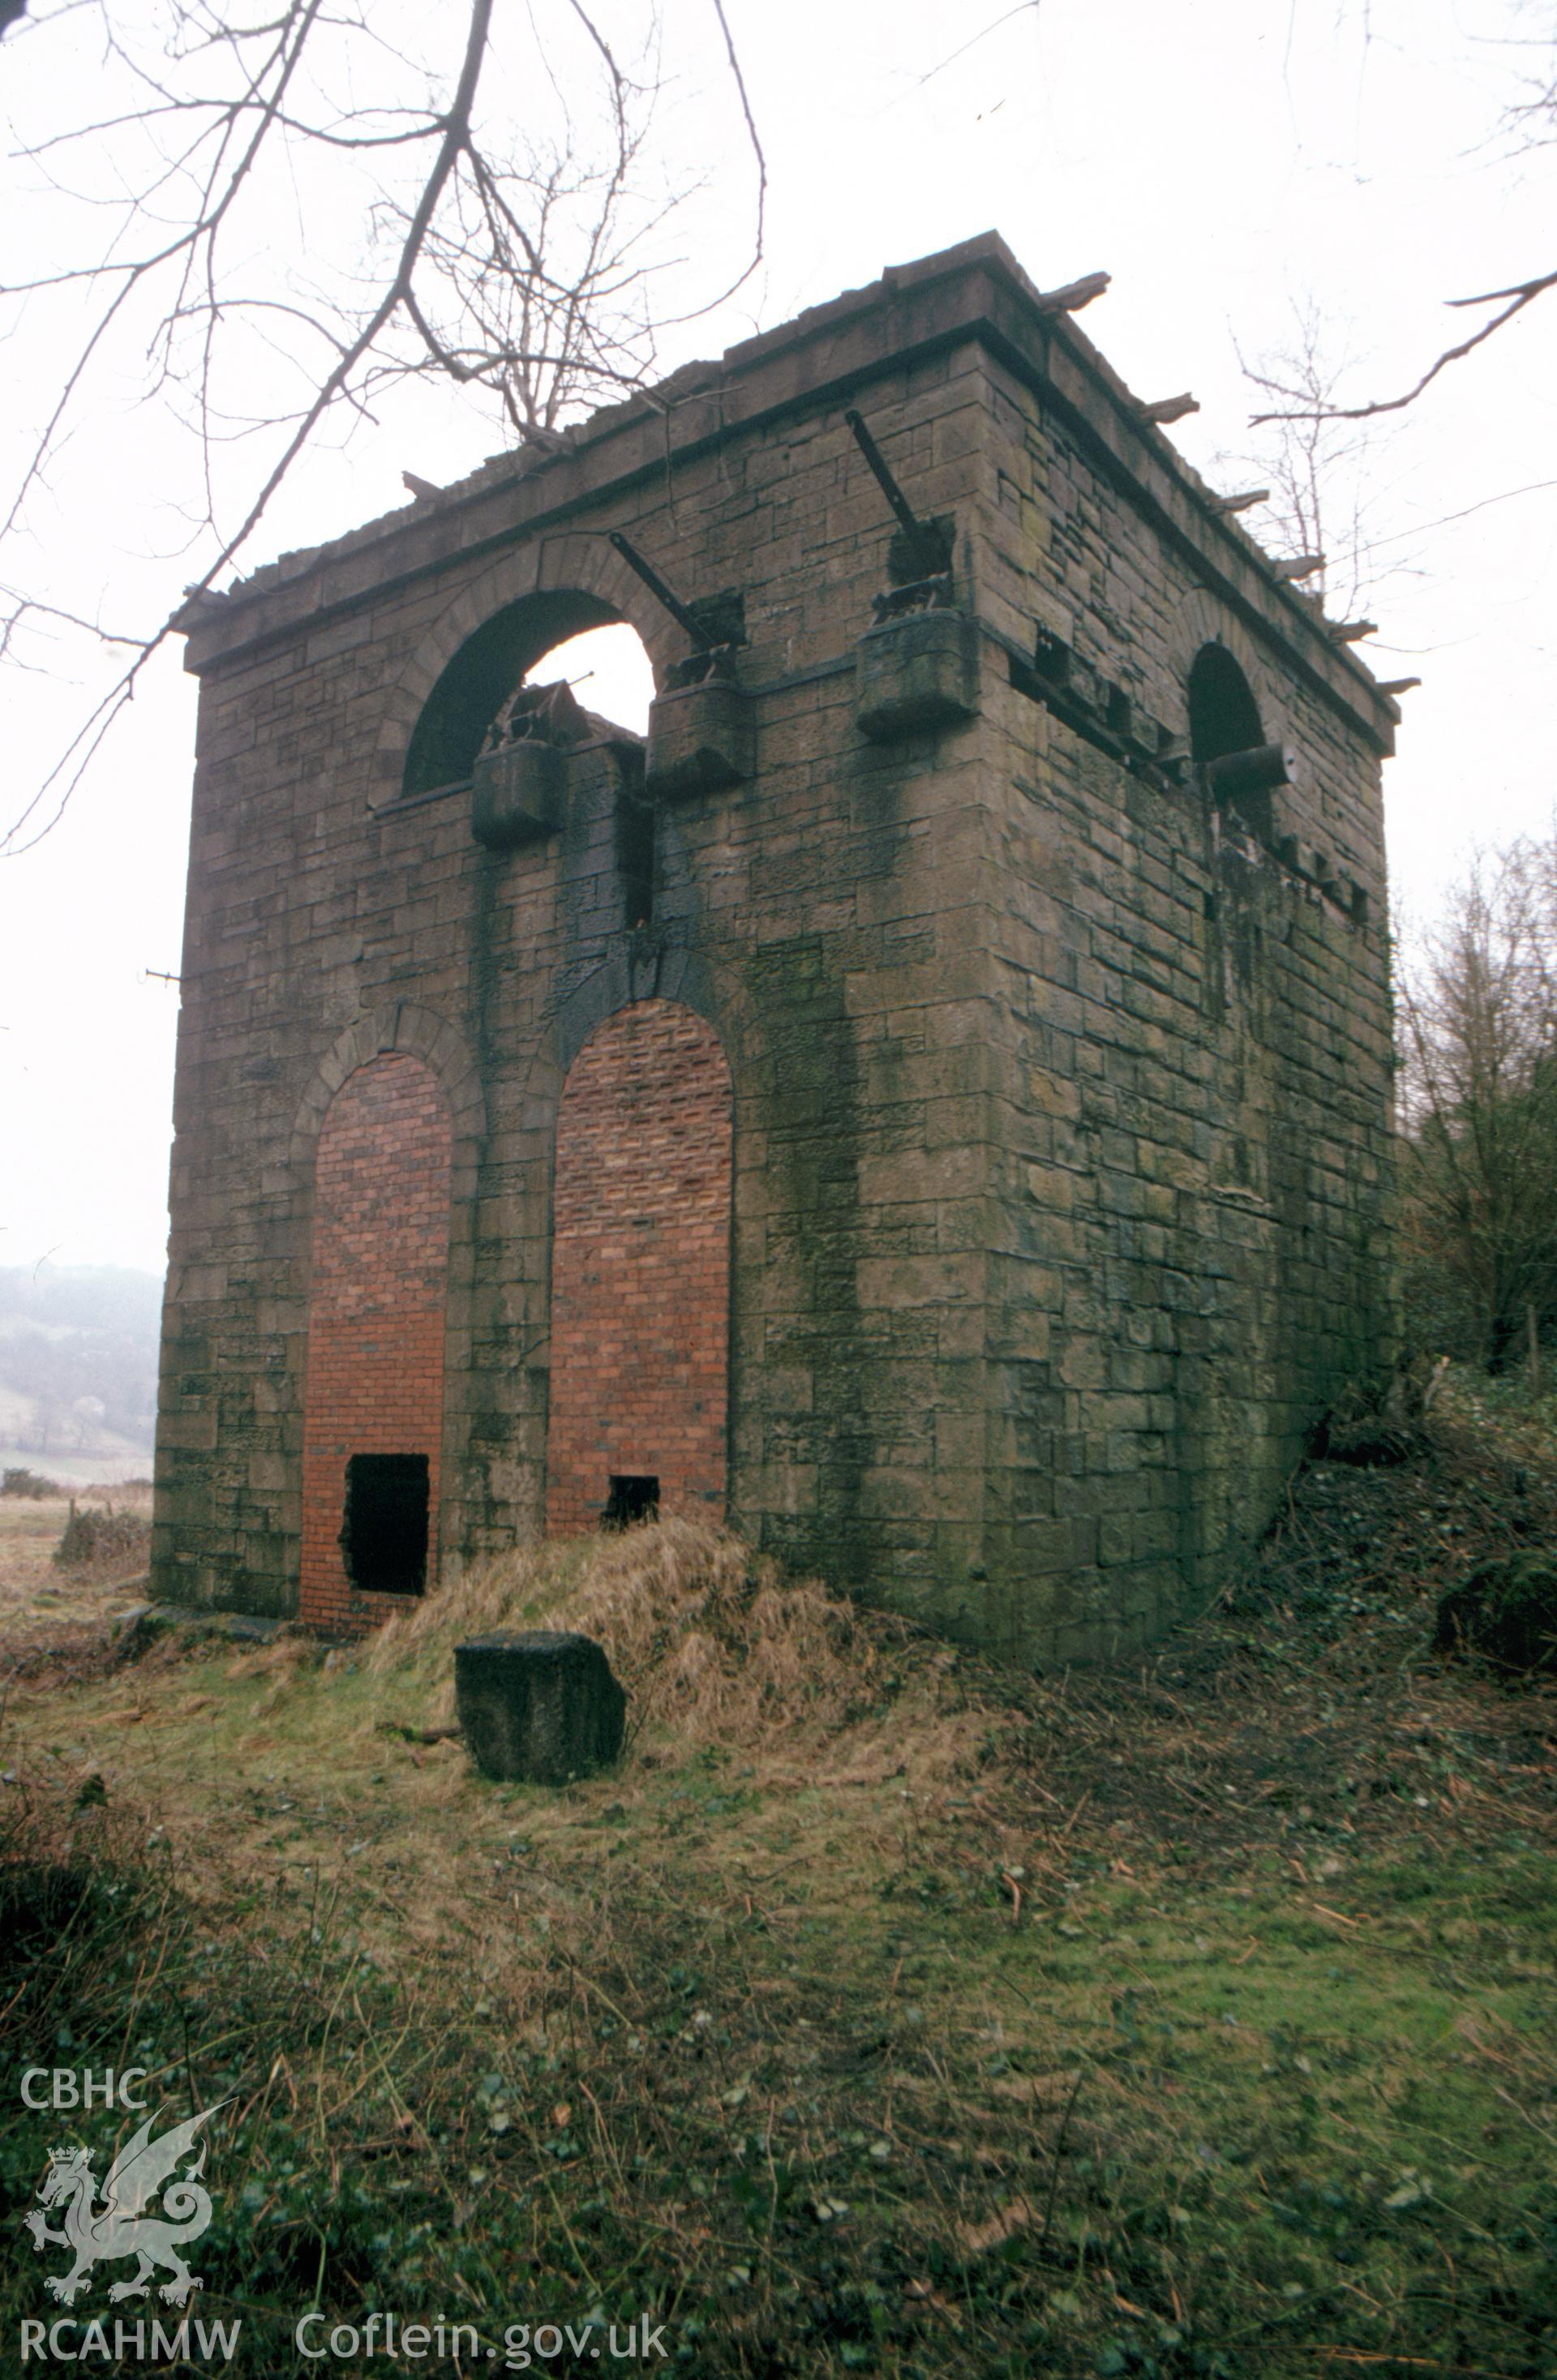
<point>1060,1160</point>
<point>1193,1033</point>
<point>640,1269</point>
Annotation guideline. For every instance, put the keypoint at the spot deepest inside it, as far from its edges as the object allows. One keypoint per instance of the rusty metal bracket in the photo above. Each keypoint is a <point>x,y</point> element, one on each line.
<point>716,623</point>
<point>928,544</point>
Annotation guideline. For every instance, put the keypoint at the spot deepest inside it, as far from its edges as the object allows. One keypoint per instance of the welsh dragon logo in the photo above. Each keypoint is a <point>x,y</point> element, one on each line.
<point>121,2226</point>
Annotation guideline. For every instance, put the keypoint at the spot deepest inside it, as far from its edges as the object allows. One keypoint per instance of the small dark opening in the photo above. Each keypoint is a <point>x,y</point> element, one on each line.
<point>383,1537</point>
<point>631,1498</point>
<point>1222,714</point>
<point>635,839</point>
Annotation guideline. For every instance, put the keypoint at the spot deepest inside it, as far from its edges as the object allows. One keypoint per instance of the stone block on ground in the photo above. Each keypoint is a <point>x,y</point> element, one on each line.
<point>538,1704</point>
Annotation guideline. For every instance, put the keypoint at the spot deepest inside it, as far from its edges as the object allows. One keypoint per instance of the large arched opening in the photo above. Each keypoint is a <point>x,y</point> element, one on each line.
<point>640,1273</point>
<point>561,636</point>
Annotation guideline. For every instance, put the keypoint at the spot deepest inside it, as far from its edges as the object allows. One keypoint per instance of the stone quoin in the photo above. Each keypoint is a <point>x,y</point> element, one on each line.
<point>930,1108</point>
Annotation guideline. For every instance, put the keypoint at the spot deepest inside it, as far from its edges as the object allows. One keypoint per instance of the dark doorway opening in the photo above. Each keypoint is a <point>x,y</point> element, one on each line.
<point>383,1537</point>
<point>1223,716</point>
<point>632,1498</point>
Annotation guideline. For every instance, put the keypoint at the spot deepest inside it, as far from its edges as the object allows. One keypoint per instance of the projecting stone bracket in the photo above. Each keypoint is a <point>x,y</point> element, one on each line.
<point>516,794</point>
<point>518,783</point>
<point>1318,868</point>
<point>916,673</point>
<point>702,739</point>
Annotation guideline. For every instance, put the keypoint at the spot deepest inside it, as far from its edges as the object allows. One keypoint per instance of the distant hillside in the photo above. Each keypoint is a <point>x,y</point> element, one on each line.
<point>78,1359</point>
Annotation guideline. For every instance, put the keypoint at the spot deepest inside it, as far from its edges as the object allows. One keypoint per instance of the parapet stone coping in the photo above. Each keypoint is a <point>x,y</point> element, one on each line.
<point>698,379</point>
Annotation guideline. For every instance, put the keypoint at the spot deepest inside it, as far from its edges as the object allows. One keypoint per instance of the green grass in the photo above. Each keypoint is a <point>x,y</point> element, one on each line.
<point>880,2015</point>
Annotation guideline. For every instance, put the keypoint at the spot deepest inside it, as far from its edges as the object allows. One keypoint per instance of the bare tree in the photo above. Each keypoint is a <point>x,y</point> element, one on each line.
<point>1316,463</point>
<point>310,206</point>
<point>1477,1092</point>
<point>1526,123</point>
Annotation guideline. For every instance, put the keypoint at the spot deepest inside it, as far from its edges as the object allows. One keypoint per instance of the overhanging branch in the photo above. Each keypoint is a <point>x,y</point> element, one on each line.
<point>1513,302</point>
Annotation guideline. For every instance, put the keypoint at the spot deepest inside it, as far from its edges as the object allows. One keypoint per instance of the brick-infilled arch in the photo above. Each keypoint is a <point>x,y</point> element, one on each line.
<point>641,1267</point>
<point>374,1385</point>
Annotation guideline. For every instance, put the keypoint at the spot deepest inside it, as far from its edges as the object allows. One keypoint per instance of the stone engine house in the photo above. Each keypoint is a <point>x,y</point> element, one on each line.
<point>928,1106</point>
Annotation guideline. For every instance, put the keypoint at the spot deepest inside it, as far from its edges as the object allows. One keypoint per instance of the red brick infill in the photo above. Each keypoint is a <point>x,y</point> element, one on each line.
<point>641,1267</point>
<point>375,1349</point>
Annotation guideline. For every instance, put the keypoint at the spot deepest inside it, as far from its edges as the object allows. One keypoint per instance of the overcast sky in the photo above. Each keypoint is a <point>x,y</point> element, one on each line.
<point>1229,162</point>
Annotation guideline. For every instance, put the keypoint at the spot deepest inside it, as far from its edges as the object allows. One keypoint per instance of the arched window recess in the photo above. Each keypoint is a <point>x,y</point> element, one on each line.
<point>584,647</point>
<point>1227,741</point>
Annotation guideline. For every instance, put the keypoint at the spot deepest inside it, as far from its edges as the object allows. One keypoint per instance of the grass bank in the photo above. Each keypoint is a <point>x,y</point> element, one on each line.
<point>880,2012</point>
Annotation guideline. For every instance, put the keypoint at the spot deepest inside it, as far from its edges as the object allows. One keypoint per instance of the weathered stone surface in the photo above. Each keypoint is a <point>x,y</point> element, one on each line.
<point>145,1624</point>
<point>701,739</point>
<point>1060,1168</point>
<point>516,794</point>
<point>538,1704</point>
<point>136,1631</point>
<point>915,674</point>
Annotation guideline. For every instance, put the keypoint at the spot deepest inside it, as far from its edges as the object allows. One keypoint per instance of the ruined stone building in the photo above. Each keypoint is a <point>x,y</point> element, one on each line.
<point>928,1106</point>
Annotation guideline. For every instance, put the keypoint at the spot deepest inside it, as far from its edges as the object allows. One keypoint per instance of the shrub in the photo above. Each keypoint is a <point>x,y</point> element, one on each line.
<point>96,1538</point>
<point>27,1483</point>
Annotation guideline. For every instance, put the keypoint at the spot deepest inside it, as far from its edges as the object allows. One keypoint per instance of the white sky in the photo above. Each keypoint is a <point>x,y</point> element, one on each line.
<point>1222,159</point>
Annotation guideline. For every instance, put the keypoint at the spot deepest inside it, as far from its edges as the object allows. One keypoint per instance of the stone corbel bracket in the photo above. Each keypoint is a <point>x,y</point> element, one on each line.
<point>1097,710</point>
<point>916,673</point>
<point>518,782</point>
<point>1316,868</point>
<point>517,795</point>
<point>702,729</point>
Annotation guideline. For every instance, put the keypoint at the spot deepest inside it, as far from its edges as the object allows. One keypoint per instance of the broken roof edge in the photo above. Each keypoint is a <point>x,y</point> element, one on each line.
<point>654,402</point>
<point>219,624</point>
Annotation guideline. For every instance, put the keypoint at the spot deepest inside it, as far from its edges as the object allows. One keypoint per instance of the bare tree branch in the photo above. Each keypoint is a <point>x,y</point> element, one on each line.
<point>1532,124</point>
<point>1318,472</point>
<point>522,270</point>
<point>1023,8</point>
<point>756,145</point>
<point>1522,294</point>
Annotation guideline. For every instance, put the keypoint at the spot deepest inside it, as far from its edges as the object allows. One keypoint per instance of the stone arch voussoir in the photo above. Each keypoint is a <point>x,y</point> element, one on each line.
<point>578,562</point>
<point>403,1028</point>
<point>1198,621</point>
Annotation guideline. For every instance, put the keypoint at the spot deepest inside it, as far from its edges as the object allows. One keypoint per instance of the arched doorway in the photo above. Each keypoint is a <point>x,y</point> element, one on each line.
<point>373,1405</point>
<point>640,1273</point>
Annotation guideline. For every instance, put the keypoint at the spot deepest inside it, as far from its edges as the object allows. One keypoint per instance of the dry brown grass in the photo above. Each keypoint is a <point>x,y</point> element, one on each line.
<point>717,1650</point>
<point>876,2011</point>
<point>40,1607</point>
<point>817,1730</point>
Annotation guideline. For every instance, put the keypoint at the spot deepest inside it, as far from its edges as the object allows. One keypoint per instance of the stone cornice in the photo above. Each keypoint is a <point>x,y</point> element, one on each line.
<point>975,293</point>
